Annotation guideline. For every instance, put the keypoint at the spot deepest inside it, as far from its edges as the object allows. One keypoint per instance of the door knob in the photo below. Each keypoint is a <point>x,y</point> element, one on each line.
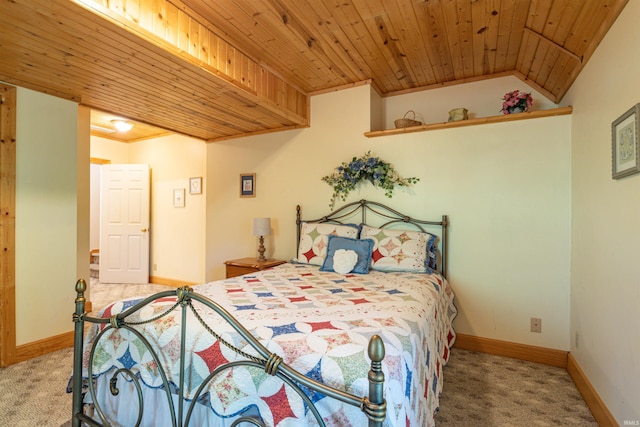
<point>144,230</point>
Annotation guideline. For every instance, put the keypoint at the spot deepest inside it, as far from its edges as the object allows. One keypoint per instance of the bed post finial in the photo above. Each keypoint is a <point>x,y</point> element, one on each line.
<point>81,286</point>
<point>376,406</point>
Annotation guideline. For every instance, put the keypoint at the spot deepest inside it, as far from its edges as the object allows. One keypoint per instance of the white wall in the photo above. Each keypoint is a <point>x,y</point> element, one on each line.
<point>47,200</point>
<point>505,186</point>
<point>605,285</point>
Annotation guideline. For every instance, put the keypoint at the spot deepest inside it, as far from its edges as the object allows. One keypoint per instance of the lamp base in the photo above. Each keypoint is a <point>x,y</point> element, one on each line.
<point>261,250</point>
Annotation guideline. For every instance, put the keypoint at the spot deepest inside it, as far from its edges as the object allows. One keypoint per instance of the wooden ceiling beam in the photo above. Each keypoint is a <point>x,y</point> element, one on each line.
<point>217,70</point>
<point>231,74</point>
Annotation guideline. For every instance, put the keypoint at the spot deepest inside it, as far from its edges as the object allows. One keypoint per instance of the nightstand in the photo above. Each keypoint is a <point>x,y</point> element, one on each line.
<point>238,267</point>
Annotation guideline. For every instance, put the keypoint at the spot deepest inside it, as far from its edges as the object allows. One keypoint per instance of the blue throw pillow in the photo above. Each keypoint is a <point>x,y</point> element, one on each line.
<point>361,247</point>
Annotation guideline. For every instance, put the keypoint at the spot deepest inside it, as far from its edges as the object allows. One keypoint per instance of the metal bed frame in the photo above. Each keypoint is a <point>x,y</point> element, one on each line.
<point>386,216</point>
<point>373,406</point>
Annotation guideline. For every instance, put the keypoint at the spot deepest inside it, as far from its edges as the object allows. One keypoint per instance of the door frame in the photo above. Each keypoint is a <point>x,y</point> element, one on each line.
<point>8,96</point>
<point>95,161</point>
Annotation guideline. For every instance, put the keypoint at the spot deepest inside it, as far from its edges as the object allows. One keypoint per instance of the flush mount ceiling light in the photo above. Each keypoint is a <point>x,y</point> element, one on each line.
<point>122,125</point>
<point>102,129</point>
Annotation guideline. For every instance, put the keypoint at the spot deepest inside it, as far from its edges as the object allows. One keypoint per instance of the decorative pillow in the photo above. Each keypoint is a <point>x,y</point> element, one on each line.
<point>361,247</point>
<point>343,261</point>
<point>399,250</point>
<point>314,238</point>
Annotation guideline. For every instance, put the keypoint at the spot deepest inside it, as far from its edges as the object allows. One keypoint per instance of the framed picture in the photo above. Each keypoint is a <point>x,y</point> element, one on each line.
<point>248,185</point>
<point>625,143</point>
<point>178,198</point>
<point>195,185</point>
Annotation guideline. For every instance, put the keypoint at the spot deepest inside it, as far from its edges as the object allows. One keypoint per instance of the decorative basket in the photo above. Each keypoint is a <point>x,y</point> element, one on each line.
<point>405,122</point>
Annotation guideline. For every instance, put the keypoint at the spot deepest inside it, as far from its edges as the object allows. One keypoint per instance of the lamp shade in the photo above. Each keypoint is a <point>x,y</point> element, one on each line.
<point>261,227</point>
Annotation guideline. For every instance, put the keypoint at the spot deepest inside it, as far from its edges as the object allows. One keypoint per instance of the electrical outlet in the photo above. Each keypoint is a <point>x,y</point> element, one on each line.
<point>576,340</point>
<point>536,325</point>
<point>155,267</point>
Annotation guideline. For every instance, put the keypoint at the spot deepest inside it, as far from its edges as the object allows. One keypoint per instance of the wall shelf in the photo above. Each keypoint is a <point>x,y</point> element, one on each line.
<point>473,122</point>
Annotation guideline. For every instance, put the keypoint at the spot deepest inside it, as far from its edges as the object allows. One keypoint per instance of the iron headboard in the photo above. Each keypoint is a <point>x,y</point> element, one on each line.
<point>387,215</point>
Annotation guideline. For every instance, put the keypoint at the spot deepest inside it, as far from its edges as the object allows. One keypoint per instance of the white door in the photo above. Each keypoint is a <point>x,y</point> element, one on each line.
<point>124,224</point>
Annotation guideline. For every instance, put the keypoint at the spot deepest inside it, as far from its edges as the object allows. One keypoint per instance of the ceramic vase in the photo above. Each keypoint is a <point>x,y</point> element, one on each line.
<point>513,110</point>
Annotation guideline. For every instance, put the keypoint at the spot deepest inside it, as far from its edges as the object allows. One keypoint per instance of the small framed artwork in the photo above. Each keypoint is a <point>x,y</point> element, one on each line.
<point>625,144</point>
<point>178,198</point>
<point>195,185</point>
<point>248,185</point>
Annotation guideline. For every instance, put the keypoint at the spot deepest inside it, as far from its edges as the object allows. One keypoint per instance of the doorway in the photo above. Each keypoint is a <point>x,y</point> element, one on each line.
<point>119,218</point>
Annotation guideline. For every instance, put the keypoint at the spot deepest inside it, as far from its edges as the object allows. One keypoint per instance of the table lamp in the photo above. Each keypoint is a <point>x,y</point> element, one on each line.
<point>261,228</point>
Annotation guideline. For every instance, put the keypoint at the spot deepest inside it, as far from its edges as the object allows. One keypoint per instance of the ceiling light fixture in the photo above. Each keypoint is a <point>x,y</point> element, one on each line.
<point>101,129</point>
<point>122,125</point>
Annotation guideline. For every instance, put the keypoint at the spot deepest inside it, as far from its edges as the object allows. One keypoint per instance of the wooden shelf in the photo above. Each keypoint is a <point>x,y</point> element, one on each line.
<point>473,122</point>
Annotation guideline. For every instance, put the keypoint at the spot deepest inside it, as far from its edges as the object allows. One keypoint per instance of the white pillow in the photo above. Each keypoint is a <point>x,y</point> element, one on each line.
<point>344,260</point>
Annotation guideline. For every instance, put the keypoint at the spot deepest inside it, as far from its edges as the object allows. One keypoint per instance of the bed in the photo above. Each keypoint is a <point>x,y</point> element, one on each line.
<point>355,330</point>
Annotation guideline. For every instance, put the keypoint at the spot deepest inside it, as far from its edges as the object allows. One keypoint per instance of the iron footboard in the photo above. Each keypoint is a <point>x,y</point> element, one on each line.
<point>373,406</point>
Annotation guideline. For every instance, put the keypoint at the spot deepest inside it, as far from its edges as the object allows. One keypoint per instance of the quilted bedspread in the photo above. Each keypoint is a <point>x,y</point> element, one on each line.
<point>320,324</point>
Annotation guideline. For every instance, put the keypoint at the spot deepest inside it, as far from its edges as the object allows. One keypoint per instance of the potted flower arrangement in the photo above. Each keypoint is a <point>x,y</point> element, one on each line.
<point>366,168</point>
<point>516,102</point>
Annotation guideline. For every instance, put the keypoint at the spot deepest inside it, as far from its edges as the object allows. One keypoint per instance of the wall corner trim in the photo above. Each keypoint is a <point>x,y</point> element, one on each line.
<point>592,399</point>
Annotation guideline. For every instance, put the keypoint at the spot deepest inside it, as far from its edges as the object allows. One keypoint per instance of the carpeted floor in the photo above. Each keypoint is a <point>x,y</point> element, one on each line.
<point>33,392</point>
<point>486,390</point>
<point>479,389</point>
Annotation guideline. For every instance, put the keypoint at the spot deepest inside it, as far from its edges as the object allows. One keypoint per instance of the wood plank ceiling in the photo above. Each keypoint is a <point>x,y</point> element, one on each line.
<point>220,69</point>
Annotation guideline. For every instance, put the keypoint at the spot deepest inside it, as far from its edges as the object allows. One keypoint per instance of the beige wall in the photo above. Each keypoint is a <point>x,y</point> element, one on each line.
<point>47,208</point>
<point>108,149</point>
<point>505,186</point>
<point>605,285</point>
<point>481,99</point>
<point>177,234</point>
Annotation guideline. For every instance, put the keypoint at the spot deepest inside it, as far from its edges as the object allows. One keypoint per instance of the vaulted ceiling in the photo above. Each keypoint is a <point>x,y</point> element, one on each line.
<point>219,69</point>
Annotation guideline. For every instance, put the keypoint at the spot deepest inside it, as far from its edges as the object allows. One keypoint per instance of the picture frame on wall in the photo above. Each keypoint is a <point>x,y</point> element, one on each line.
<point>625,143</point>
<point>195,185</point>
<point>248,185</point>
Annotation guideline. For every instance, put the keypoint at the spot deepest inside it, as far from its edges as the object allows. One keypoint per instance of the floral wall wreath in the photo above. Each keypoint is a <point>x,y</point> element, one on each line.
<point>366,168</point>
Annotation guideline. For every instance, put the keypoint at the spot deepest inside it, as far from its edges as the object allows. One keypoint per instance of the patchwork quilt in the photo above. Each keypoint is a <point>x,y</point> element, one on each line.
<point>320,323</point>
